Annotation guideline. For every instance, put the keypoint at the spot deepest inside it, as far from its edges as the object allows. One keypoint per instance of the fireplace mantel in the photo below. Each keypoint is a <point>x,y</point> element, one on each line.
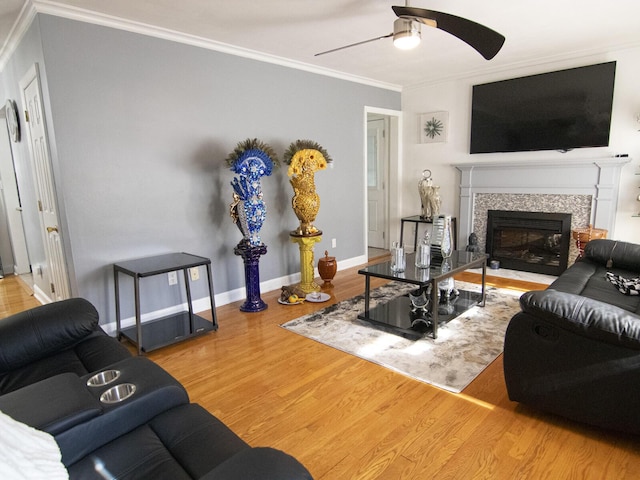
<point>597,177</point>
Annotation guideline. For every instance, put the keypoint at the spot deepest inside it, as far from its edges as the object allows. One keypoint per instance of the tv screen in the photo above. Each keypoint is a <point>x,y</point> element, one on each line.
<point>559,110</point>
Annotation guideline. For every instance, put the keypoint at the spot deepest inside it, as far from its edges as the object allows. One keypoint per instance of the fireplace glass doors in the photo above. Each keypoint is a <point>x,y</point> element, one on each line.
<point>529,241</point>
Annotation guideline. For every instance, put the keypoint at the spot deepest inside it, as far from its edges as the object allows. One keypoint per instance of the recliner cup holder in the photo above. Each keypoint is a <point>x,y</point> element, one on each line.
<point>103,378</point>
<point>118,393</point>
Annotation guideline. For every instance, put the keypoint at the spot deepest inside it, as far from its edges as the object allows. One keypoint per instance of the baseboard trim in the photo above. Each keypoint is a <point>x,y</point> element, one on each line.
<point>42,297</point>
<point>224,298</point>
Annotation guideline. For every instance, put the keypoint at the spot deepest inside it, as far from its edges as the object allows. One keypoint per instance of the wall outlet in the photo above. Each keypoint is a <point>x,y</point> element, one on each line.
<point>173,278</point>
<point>333,243</point>
<point>195,273</point>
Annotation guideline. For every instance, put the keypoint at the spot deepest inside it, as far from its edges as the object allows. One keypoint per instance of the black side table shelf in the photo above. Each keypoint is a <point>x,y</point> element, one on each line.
<point>174,328</point>
<point>419,219</point>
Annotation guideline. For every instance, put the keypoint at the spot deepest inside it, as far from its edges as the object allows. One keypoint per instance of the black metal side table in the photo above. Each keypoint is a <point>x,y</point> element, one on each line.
<point>163,331</point>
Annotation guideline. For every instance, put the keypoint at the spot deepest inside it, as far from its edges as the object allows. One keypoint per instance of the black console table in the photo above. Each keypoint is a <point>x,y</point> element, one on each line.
<point>163,331</point>
<point>418,219</point>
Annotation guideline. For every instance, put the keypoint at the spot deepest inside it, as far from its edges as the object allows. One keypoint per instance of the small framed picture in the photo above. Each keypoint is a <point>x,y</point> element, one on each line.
<point>434,127</point>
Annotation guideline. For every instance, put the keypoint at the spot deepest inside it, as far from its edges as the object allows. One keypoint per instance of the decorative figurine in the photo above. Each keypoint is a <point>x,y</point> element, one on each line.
<point>304,158</point>
<point>429,196</point>
<point>251,160</point>
<point>473,243</point>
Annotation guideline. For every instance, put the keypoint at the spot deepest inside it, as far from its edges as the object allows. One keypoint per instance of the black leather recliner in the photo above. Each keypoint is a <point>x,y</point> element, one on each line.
<point>47,356</point>
<point>60,337</point>
<point>574,349</point>
<point>186,442</point>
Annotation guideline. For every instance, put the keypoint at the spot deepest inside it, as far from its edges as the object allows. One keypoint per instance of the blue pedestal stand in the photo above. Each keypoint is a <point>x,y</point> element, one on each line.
<point>251,257</point>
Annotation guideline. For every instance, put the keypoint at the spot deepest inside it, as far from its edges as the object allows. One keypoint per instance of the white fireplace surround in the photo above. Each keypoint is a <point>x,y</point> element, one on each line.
<point>597,177</point>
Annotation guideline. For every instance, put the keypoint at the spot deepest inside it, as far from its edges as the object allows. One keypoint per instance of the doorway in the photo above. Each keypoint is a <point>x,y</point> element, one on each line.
<point>377,181</point>
<point>14,255</point>
<point>382,153</point>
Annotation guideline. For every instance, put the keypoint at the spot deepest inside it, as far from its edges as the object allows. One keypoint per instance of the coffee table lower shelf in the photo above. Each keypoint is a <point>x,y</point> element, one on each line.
<point>396,316</point>
<point>167,330</point>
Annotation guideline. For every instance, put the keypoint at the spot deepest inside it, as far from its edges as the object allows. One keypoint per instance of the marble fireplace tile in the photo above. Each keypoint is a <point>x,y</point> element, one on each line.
<point>579,206</point>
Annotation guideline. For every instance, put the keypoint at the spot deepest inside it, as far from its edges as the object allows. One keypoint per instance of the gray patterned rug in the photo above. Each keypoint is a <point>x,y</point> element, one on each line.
<point>465,345</point>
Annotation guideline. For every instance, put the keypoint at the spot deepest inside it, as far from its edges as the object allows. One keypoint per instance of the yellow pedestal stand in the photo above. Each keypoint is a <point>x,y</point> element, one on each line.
<point>306,245</point>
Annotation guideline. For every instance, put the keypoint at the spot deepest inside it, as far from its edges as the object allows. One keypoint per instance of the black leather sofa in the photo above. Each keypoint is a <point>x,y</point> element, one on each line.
<point>574,349</point>
<point>56,369</point>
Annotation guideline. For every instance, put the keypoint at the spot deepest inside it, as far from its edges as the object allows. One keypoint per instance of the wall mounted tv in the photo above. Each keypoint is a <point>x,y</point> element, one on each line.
<point>559,110</point>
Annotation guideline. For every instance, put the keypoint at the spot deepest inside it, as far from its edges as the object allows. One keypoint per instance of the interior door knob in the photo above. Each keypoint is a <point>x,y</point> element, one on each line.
<point>52,229</point>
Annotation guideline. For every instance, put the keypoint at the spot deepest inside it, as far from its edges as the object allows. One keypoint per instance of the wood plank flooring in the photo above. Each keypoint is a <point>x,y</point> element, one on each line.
<point>15,296</point>
<point>346,418</point>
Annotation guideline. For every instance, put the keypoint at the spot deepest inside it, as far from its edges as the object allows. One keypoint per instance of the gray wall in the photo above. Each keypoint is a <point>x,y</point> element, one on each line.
<point>140,130</point>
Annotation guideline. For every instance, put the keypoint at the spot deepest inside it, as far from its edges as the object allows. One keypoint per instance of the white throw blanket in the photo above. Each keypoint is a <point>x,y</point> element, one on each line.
<point>27,453</point>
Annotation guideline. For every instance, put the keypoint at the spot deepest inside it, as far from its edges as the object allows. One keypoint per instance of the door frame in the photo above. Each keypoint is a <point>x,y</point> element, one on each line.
<point>395,172</point>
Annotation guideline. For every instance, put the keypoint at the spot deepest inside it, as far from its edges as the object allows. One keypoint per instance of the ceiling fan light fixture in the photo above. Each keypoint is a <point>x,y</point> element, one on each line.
<point>406,34</point>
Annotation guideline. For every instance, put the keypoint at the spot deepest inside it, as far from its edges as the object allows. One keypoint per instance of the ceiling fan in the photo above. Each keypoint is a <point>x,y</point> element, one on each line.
<point>406,31</point>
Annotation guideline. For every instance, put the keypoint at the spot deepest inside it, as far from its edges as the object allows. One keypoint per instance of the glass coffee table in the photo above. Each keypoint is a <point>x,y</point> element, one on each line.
<point>433,286</point>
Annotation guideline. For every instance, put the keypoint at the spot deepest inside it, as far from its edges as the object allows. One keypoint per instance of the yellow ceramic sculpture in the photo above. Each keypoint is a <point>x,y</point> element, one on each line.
<point>305,158</point>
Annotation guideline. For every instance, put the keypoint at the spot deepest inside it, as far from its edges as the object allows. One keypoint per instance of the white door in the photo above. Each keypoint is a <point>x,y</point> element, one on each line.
<point>377,168</point>
<point>13,212</point>
<point>44,184</point>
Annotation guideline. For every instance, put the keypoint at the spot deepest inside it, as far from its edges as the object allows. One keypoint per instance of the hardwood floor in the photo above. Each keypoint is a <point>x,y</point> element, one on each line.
<point>346,418</point>
<point>15,296</point>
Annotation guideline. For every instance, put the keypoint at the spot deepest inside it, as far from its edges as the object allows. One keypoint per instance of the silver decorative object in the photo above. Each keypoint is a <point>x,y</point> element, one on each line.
<point>398,258</point>
<point>429,196</point>
<point>442,240</point>
<point>423,253</point>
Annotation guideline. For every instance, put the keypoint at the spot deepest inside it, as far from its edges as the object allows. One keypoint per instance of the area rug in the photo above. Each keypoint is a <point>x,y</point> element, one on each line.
<point>465,345</point>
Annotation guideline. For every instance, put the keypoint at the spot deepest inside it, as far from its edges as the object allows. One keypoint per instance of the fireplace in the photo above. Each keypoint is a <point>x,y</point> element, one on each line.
<point>529,241</point>
<point>586,187</point>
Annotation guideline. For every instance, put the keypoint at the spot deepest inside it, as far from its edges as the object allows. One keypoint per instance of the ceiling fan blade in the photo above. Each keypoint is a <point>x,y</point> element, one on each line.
<point>486,41</point>
<point>353,45</point>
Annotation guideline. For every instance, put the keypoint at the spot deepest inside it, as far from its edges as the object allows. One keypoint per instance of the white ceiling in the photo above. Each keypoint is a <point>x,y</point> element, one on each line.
<point>536,31</point>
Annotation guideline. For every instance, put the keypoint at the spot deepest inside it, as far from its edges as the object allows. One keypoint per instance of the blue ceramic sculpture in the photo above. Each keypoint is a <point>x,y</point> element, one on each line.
<point>251,161</point>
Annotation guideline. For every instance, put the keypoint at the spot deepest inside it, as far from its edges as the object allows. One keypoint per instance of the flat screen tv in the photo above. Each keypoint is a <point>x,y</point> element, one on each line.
<point>559,110</point>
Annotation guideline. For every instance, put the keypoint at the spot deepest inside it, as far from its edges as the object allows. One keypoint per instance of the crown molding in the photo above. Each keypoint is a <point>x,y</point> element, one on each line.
<point>19,28</point>
<point>49,7</point>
